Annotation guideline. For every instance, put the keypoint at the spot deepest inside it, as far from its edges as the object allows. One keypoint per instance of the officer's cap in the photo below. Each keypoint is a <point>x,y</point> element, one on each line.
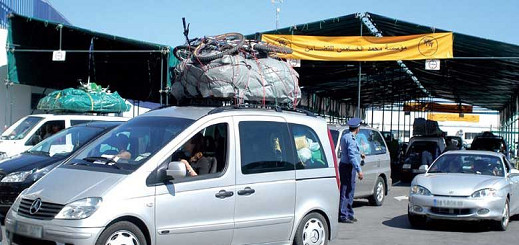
<point>354,122</point>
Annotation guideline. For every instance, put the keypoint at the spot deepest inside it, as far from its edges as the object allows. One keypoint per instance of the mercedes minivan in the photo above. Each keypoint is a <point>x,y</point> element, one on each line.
<point>273,180</point>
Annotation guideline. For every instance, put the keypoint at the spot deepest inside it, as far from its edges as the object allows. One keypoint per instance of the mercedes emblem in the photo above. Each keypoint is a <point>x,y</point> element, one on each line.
<point>35,206</point>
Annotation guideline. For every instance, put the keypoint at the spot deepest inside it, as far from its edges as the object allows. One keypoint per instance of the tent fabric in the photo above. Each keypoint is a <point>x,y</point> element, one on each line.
<point>133,68</point>
<point>483,81</point>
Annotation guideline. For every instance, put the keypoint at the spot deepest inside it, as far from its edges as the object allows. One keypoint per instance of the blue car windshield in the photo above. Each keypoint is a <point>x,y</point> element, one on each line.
<point>125,148</point>
<point>468,164</point>
<point>63,143</point>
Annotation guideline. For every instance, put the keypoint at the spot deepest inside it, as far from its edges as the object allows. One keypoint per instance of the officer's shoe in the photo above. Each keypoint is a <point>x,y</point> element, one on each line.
<point>353,219</point>
<point>348,221</point>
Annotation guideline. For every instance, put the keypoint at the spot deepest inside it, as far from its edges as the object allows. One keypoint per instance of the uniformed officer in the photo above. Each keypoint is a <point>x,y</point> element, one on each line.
<point>349,167</point>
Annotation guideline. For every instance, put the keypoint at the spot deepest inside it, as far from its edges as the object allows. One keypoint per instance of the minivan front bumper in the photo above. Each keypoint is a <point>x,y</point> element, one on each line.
<point>19,228</point>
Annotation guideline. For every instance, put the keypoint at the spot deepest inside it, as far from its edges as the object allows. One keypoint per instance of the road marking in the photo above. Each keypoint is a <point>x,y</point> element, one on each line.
<point>400,198</point>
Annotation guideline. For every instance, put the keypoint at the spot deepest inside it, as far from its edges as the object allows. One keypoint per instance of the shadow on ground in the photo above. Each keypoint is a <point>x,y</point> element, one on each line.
<point>444,225</point>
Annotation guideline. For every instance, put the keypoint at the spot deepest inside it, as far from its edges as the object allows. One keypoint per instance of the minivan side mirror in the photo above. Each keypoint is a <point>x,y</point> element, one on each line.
<point>176,170</point>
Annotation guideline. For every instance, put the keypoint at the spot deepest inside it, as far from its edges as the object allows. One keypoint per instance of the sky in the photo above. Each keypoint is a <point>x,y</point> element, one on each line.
<point>160,21</point>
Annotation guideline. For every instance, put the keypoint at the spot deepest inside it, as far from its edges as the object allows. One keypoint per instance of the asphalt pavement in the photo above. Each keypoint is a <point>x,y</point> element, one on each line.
<point>388,225</point>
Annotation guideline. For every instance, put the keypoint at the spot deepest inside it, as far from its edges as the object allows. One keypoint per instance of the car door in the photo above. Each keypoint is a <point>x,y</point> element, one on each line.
<point>265,181</point>
<point>371,163</point>
<point>513,180</point>
<point>199,209</point>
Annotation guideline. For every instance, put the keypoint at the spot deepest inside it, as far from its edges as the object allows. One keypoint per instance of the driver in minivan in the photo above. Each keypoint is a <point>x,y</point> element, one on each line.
<point>192,157</point>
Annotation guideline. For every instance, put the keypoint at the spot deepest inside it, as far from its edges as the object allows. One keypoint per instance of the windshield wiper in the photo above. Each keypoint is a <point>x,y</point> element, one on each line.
<point>106,160</point>
<point>44,153</point>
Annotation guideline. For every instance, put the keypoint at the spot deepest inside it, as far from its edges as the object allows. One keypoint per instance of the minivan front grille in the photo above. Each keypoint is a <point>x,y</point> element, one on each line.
<point>46,211</point>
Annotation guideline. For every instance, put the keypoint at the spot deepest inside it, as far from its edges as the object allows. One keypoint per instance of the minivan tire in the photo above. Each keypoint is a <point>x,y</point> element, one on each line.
<point>122,230</point>
<point>379,192</point>
<point>312,230</point>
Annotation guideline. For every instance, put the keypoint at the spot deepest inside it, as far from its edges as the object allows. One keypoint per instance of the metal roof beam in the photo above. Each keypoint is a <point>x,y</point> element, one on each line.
<point>364,17</point>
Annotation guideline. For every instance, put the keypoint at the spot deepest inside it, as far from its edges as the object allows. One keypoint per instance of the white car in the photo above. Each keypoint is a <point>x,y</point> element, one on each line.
<point>30,130</point>
<point>466,185</point>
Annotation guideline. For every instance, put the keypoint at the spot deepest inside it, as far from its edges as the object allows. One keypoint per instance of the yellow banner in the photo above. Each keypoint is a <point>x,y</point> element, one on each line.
<point>365,48</point>
<point>442,117</point>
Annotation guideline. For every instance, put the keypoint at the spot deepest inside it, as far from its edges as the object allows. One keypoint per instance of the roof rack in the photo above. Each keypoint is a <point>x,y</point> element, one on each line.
<point>276,108</point>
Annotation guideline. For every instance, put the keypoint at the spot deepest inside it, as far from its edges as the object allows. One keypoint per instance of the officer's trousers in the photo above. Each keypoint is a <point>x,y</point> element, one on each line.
<point>348,175</point>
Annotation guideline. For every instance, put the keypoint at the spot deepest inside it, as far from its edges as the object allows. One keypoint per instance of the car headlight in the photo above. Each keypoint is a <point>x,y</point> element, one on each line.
<point>80,209</point>
<point>420,190</point>
<point>488,192</point>
<point>17,176</point>
<point>34,174</point>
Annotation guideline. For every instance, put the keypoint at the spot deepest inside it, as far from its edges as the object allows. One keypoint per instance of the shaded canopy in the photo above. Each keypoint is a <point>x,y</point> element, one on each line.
<point>479,80</point>
<point>132,68</point>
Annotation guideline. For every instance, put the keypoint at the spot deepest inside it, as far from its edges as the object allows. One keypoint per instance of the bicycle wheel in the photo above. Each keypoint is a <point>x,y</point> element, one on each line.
<point>271,48</point>
<point>183,52</point>
<point>218,46</point>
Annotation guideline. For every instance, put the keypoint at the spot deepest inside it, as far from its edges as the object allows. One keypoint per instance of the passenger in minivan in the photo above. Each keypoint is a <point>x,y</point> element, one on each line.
<point>192,156</point>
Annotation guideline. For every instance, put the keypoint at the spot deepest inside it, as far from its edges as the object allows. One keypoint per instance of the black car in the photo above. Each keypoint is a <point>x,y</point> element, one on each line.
<point>21,171</point>
<point>487,141</point>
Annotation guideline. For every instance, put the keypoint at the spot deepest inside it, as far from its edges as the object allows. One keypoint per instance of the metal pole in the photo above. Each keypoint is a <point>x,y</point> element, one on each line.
<point>161,78</point>
<point>360,76</point>
<point>372,113</point>
<point>383,112</point>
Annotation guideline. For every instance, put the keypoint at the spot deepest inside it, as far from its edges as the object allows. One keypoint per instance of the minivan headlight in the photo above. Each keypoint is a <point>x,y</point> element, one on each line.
<point>80,209</point>
<point>488,192</point>
<point>420,190</point>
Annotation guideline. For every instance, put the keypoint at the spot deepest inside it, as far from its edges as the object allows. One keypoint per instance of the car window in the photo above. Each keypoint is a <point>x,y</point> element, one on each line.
<point>65,142</point>
<point>335,136</point>
<point>76,122</point>
<point>265,147</point>
<point>46,130</point>
<point>130,145</point>
<point>308,146</point>
<point>363,141</point>
<point>20,130</point>
<point>468,164</point>
<point>378,144</point>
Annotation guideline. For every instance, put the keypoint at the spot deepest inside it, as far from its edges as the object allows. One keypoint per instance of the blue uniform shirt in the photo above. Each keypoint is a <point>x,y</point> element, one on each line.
<point>350,153</point>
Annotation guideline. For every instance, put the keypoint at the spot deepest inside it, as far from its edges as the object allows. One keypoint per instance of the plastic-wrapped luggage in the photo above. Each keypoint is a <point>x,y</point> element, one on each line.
<point>79,100</point>
<point>422,127</point>
<point>236,77</point>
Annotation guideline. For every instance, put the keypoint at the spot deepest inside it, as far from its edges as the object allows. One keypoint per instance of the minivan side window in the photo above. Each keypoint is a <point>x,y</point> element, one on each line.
<point>265,147</point>
<point>378,144</point>
<point>46,130</point>
<point>205,152</point>
<point>308,147</point>
<point>364,141</point>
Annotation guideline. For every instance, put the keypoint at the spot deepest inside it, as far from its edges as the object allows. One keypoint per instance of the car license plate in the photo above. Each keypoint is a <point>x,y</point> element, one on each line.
<point>29,230</point>
<point>447,203</point>
<point>407,166</point>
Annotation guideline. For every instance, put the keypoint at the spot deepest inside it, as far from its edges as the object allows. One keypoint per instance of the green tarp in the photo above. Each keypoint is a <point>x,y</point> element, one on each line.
<point>136,69</point>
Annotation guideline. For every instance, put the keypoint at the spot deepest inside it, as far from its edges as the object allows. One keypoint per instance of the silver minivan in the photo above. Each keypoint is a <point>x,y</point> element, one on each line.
<point>272,179</point>
<point>376,165</point>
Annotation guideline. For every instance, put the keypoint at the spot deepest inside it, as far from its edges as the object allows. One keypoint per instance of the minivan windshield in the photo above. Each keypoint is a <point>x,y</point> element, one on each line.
<point>127,147</point>
<point>20,130</point>
<point>65,142</point>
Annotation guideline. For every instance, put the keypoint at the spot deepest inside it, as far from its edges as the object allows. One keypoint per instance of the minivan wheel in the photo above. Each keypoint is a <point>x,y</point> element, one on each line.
<point>313,230</point>
<point>502,224</point>
<point>379,192</point>
<point>122,233</point>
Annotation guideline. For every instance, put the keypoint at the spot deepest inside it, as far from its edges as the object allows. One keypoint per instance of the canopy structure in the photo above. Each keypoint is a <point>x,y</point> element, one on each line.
<point>135,69</point>
<point>482,73</point>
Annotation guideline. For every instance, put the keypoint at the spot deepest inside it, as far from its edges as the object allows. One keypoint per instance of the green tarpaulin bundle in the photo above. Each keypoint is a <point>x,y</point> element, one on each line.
<point>79,100</point>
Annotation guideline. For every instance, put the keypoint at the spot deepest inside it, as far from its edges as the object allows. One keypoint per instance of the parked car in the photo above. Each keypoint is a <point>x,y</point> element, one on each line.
<point>453,143</point>
<point>414,156</point>
<point>376,165</point>
<point>487,141</point>
<point>32,129</point>
<point>262,186</point>
<point>21,171</point>
<point>466,185</point>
